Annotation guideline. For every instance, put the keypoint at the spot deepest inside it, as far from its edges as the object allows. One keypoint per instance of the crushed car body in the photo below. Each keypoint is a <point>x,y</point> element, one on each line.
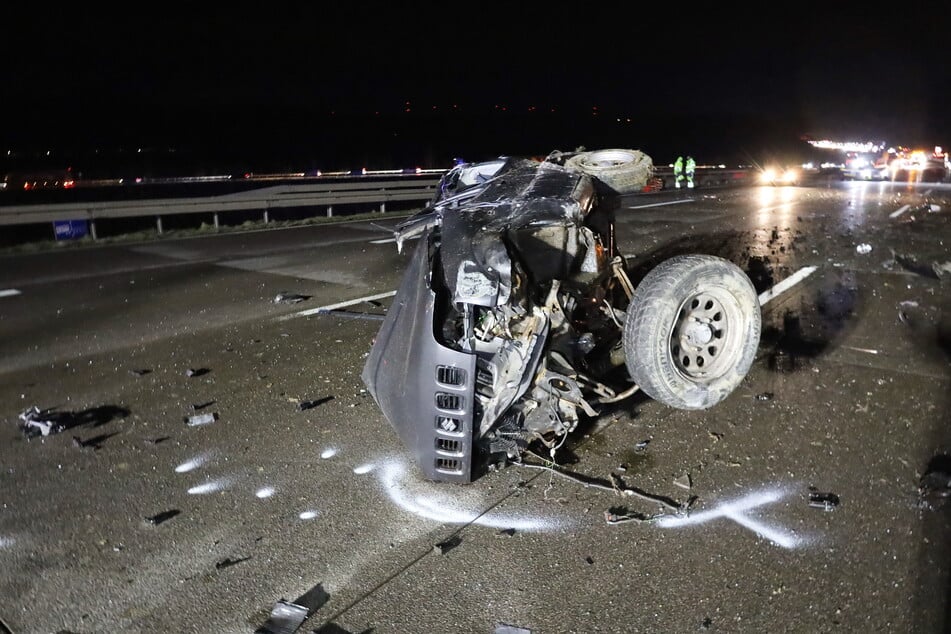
<point>514,318</point>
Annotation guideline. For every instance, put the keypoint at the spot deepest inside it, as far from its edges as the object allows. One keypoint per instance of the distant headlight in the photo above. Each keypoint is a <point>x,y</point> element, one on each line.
<point>768,175</point>
<point>790,176</point>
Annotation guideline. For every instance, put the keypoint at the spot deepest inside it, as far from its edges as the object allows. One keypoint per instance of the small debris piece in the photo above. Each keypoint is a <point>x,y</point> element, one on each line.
<point>140,372</point>
<point>642,445</point>
<point>502,628</point>
<point>286,618</point>
<point>505,532</point>
<point>941,269</point>
<point>164,516</point>
<point>201,419</point>
<point>306,405</point>
<point>444,547</point>
<point>157,441</point>
<point>589,560</point>
<point>227,562</point>
<point>706,623</point>
<point>764,396</point>
<point>824,501</point>
<point>37,422</point>
<point>864,248</point>
<point>684,481</point>
<point>934,488</point>
<point>200,406</point>
<point>190,372</point>
<point>290,298</point>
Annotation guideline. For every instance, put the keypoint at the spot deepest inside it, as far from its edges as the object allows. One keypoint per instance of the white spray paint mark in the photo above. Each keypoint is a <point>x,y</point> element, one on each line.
<point>364,468</point>
<point>209,487</point>
<point>331,307</point>
<point>736,511</point>
<point>899,211</point>
<point>449,509</point>
<point>866,350</point>
<point>771,294</point>
<point>672,202</point>
<point>264,492</point>
<point>329,452</point>
<point>308,515</point>
<point>9,292</point>
<point>194,463</point>
<point>6,542</point>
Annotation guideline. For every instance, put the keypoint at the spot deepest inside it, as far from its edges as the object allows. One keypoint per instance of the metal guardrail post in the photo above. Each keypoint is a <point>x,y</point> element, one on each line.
<point>383,207</point>
<point>330,211</point>
<point>158,224</point>
<point>92,229</point>
<point>216,220</point>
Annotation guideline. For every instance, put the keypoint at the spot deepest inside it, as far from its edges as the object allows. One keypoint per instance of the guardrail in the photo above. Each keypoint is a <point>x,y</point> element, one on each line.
<point>263,199</point>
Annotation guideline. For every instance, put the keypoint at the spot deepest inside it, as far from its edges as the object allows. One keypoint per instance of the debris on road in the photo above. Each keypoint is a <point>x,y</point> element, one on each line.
<point>684,481</point>
<point>506,532</point>
<point>190,372</point>
<point>502,628</point>
<point>764,396</point>
<point>824,501</point>
<point>445,546</point>
<point>286,618</point>
<point>864,248</point>
<point>164,516</point>
<point>941,269</point>
<point>37,422</point>
<point>642,445</point>
<point>227,562</point>
<point>934,488</point>
<point>201,406</point>
<point>290,298</point>
<point>201,419</point>
<point>306,405</point>
<point>140,372</point>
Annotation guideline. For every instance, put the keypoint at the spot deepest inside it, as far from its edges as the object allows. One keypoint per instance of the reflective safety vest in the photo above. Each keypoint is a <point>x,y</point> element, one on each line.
<point>691,165</point>
<point>678,165</point>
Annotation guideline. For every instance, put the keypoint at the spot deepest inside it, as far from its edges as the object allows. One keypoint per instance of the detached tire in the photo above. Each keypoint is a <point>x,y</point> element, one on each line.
<point>624,171</point>
<point>692,331</point>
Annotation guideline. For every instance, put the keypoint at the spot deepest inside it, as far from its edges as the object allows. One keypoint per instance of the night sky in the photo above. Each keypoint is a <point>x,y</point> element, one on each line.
<point>281,86</point>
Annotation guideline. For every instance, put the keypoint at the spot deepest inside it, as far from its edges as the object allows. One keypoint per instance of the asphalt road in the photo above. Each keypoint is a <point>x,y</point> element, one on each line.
<point>850,396</point>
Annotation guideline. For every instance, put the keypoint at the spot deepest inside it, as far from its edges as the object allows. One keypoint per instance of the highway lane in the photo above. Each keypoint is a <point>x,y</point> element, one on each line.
<point>849,394</point>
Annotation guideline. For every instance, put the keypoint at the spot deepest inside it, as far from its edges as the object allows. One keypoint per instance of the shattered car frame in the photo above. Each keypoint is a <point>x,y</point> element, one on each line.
<point>516,318</point>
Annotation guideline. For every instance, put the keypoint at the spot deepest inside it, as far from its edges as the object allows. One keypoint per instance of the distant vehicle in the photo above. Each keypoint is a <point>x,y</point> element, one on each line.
<point>775,175</point>
<point>39,179</point>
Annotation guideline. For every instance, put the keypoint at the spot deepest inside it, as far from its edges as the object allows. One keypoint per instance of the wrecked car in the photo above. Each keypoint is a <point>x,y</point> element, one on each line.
<point>516,317</point>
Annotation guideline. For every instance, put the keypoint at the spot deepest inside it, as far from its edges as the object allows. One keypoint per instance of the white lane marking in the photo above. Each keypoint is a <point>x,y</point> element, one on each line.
<point>670,202</point>
<point>786,284</point>
<point>899,211</point>
<point>330,307</point>
<point>383,241</point>
<point>736,511</point>
<point>9,292</point>
<point>426,500</point>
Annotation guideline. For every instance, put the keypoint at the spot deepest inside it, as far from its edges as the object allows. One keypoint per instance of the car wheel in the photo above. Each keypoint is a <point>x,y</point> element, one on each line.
<point>692,331</point>
<point>624,171</point>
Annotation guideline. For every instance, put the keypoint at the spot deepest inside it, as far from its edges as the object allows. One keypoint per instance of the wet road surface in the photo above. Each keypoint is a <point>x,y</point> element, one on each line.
<point>808,514</point>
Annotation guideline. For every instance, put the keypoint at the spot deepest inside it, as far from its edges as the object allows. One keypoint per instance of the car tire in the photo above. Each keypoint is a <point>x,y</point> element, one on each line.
<point>692,331</point>
<point>624,171</point>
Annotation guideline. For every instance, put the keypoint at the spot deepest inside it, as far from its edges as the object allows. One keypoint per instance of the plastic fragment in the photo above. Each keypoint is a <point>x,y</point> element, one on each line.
<point>164,516</point>
<point>824,501</point>
<point>201,419</point>
<point>286,618</point>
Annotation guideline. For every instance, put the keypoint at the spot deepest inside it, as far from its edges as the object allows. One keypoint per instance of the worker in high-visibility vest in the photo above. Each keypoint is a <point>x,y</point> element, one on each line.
<point>690,168</point>
<point>678,171</point>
